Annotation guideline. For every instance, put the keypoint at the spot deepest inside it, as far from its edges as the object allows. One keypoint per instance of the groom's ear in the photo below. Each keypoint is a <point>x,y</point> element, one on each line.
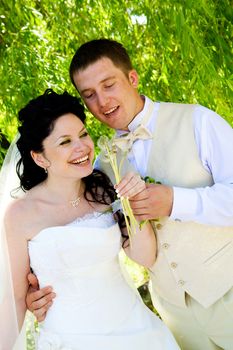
<point>39,159</point>
<point>133,78</point>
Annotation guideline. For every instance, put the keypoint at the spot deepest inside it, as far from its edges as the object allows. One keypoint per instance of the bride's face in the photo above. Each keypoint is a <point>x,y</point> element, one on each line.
<point>68,150</point>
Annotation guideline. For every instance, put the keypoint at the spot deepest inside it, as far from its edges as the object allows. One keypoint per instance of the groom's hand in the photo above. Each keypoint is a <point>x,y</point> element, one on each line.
<point>154,202</point>
<point>38,301</point>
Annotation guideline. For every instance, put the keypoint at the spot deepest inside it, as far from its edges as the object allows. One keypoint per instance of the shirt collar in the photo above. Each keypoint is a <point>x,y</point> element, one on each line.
<point>137,119</point>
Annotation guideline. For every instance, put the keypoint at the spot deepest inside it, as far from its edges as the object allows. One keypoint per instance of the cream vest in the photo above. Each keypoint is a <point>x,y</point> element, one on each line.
<point>192,258</point>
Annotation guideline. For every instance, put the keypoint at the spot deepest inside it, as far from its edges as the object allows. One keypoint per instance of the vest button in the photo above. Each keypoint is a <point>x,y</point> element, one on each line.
<point>165,245</point>
<point>159,226</point>
<point>181,282</point>
<point>173,265</point>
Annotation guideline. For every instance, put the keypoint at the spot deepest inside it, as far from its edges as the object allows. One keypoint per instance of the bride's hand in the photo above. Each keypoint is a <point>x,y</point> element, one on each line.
<point>130,185</point>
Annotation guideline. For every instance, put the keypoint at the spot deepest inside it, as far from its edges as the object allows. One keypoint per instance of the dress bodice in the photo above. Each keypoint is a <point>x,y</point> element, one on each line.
<point>94,307</point>
<point>80,261</point>
<point>86,244</point>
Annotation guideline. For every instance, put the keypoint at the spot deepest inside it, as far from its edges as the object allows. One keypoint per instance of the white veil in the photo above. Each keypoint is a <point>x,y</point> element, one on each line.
<point>9,332</point>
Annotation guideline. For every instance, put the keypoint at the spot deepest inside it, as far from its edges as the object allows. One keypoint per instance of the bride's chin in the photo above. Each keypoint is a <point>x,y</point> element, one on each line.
<point>88,170</point>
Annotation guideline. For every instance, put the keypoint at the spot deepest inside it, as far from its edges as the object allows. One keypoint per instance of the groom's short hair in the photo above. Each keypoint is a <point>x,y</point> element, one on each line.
<point>93,50</point>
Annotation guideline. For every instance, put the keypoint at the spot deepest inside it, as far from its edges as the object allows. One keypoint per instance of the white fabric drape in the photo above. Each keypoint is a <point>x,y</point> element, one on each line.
<point>9,332</point>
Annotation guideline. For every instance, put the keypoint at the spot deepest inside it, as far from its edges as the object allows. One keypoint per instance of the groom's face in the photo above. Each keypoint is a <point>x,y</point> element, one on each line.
<point>109,94</point>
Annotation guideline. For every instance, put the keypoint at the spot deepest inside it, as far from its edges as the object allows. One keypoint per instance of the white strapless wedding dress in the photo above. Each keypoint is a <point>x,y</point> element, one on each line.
<point>95,308</point>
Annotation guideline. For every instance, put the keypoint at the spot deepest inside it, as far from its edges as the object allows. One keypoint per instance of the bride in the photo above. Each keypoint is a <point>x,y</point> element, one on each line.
<point>62,229</point>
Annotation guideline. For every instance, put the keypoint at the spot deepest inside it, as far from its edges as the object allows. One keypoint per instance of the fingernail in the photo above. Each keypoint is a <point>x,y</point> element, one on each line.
<point>117,191</point>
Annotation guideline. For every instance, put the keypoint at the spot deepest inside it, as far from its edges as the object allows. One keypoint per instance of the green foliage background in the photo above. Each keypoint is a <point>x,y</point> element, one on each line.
<point>182,49</point>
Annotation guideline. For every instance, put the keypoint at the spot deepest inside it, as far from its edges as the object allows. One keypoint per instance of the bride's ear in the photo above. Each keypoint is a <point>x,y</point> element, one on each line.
<point>39,159</point>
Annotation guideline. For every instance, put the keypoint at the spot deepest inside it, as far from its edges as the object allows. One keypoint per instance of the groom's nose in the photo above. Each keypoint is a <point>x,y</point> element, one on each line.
<point>103,100</point>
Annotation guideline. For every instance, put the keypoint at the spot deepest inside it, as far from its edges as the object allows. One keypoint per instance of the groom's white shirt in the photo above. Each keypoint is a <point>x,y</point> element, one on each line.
<point>214,140</point>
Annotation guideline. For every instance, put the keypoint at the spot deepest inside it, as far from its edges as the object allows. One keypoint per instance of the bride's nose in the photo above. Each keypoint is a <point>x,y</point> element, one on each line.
<point>79,144</point>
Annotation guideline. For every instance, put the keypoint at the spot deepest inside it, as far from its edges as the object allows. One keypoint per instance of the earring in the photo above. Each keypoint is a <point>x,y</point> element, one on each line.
<point>45,170</point>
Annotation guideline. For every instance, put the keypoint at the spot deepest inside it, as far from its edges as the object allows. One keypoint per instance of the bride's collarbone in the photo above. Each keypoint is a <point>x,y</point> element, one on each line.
<point>47,215</point>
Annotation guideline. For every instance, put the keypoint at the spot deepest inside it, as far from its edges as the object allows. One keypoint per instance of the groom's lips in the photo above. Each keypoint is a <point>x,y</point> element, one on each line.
<point>110,111</point>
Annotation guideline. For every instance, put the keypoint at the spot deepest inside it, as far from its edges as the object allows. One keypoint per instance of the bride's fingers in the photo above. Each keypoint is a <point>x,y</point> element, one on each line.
<point>125,180</point>
<point>125,184</point>
<point>130,185</point>
<point>138,188</point>
<point>134,186</point>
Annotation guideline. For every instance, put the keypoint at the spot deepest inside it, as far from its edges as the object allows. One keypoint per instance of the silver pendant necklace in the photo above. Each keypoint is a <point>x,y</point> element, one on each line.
<point>75,202</point>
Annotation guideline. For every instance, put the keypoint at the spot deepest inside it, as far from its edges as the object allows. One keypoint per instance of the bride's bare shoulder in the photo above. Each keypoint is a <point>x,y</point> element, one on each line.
<point>19,210</point>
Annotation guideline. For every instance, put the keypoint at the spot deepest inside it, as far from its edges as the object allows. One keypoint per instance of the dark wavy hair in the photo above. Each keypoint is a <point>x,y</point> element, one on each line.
<point>37,121</point>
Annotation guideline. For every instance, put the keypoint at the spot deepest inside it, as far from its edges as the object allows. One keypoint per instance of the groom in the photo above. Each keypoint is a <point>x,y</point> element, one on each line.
<point>188,148</point>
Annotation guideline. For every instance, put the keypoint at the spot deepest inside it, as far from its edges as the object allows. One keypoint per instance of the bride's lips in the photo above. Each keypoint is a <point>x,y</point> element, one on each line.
<point>80,160</point>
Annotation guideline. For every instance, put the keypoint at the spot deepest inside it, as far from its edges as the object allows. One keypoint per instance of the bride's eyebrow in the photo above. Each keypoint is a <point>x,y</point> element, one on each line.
<point>62,136</point>
<point>67,135</point>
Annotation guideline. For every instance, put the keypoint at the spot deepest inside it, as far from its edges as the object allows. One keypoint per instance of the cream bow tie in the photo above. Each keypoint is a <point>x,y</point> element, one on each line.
<point>126,141</point>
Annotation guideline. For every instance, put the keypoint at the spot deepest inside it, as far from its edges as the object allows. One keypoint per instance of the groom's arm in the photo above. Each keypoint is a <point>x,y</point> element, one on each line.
<point>38,301</point>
